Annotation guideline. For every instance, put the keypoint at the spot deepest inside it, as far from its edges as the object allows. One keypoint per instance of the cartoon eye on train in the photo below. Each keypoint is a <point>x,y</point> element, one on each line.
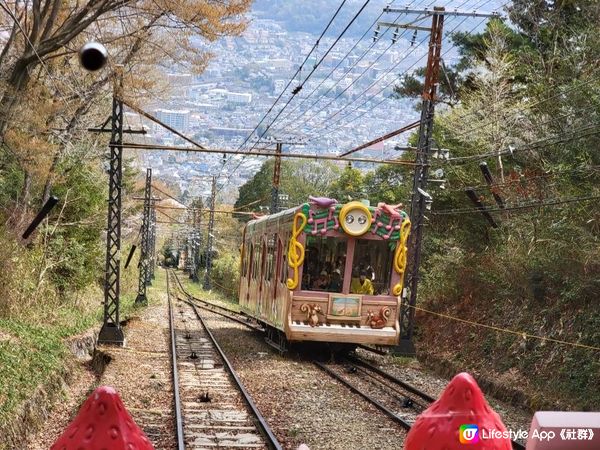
<point>326,271</point>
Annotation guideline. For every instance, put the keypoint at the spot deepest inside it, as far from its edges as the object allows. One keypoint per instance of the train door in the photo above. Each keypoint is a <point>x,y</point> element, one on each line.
<point>271,276</point>
<point>249,271</point>
<point>261,281</point>
<point>277,280</point>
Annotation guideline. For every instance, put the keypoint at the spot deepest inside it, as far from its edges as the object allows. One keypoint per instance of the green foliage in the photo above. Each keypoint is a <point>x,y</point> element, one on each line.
<point>349,186</point>
<point>538,272</point>
<point>74,243</point>
<point>299,179</point>
<point>11,177</point>
<point>226,274</point>
<point>30,357</point>
<point>389,183</point>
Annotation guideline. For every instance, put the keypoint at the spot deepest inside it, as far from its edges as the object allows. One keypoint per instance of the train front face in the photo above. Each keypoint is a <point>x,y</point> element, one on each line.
<point>348,263</point>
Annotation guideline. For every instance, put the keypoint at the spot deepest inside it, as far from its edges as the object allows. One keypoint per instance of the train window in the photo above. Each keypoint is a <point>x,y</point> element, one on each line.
<point>324,263</point>
<point>256,261</point>
<point>263,263</point>
<point>374,259</point>
<point>270,255</point>
<point>284,267</point>
<point>247,258</point>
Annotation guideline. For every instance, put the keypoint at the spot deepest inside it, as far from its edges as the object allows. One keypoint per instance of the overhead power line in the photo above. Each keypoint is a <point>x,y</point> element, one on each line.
<point>516,207</point>
<point>355,80</point>
<point>261,153</point>
<point>587,130</point>
<point>405,128</point>
<point>326,125</point>
<point>336,67</point>
<point>316,44</point>
<point>299,87</point>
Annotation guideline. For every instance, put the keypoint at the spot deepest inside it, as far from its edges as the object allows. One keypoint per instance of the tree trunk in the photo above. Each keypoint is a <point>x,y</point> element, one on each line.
<point>17,83</point>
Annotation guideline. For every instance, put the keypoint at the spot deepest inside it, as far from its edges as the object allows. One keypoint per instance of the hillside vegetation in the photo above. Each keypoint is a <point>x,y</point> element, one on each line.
<point>524,99</point>
<point>51,283</point>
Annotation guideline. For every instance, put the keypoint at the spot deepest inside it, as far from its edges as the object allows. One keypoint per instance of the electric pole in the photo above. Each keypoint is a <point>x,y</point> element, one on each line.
<point>209,241</point>
<point>197,236</point>
<point>144,277</point>
<point>111,331</point>
<point>275,199</point>
<point>152,242</point>
<point>276,177</point>
<point>420,199</point>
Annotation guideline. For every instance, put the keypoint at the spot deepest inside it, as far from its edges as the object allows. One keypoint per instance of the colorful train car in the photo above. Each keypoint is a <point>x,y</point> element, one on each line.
<point>325,271</point>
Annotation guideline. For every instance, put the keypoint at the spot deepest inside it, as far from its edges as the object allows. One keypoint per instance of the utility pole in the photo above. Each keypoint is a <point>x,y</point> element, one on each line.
<point>276,177</point>
<point>209,241</point>
<point>275,199</point>
<point>200,205</point>
<point>421,200</point>
<point>152,242</point>
<point>144,277</point>
<point>190,263</point>
<point>197,236</point>
<point>111,331</point>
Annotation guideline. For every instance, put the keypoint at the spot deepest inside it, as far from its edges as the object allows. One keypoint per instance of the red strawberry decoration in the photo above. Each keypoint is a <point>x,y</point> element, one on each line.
<point>103,423</point>
<point>449,423</point>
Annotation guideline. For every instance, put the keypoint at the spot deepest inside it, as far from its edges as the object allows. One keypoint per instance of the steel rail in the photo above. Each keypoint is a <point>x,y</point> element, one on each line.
<point>355,360</point>
<point>367,397</point>
<point>211,308</point>
<point>263,426</point>
<point>177,400</point>
<point>373,349</point>
<point>390,377</point>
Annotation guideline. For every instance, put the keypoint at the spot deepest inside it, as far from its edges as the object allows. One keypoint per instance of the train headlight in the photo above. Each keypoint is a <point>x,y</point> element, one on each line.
<point>355,218</point>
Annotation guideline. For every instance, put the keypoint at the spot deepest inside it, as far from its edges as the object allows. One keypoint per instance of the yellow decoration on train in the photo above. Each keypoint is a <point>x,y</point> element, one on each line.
<point>355,218</point>
<point>296,250</point>
<point>400,256</point>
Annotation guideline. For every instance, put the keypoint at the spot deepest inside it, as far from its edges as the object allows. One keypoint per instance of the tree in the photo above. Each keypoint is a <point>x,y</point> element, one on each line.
<point>349,186</point>
<point>492,101</point>
<point>529,108</point>
<point>454,79</point>
<point>389,184</point>
<point>299,179</point>
<point>39,74</point>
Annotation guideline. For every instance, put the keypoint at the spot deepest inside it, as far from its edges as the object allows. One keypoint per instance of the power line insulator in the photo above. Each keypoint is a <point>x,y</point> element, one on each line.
<point>414,39</point>
<point>395,36</point>
<point>376,34</point>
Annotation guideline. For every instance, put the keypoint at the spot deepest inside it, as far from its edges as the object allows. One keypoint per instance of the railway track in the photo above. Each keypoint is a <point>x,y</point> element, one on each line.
<point>217,309</point>
<point>213,409</point>
<point>397,399</point>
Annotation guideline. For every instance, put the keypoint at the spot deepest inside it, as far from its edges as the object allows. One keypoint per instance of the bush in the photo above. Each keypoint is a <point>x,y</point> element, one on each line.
<point>226,274</point>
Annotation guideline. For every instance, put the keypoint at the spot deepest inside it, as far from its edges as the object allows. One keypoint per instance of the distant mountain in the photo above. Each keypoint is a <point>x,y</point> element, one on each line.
<point>311,16</point>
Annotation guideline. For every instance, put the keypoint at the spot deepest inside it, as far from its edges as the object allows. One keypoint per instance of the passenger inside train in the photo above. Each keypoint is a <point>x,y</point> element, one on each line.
<point>325,264</point>
<point>361,284</point>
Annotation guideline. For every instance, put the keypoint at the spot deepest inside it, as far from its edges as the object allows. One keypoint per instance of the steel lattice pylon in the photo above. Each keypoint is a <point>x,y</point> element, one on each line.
<point>152,260</point>
<point>418,201</point>
<point>209,241</point>
<point>198,226</point>
<point>145,244</point>
<point>111,331</point>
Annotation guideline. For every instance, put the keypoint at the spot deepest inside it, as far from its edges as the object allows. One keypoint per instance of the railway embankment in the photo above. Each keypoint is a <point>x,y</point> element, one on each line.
<point>522,367</point>
<point>139,372</point>
<point>46,359</point>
